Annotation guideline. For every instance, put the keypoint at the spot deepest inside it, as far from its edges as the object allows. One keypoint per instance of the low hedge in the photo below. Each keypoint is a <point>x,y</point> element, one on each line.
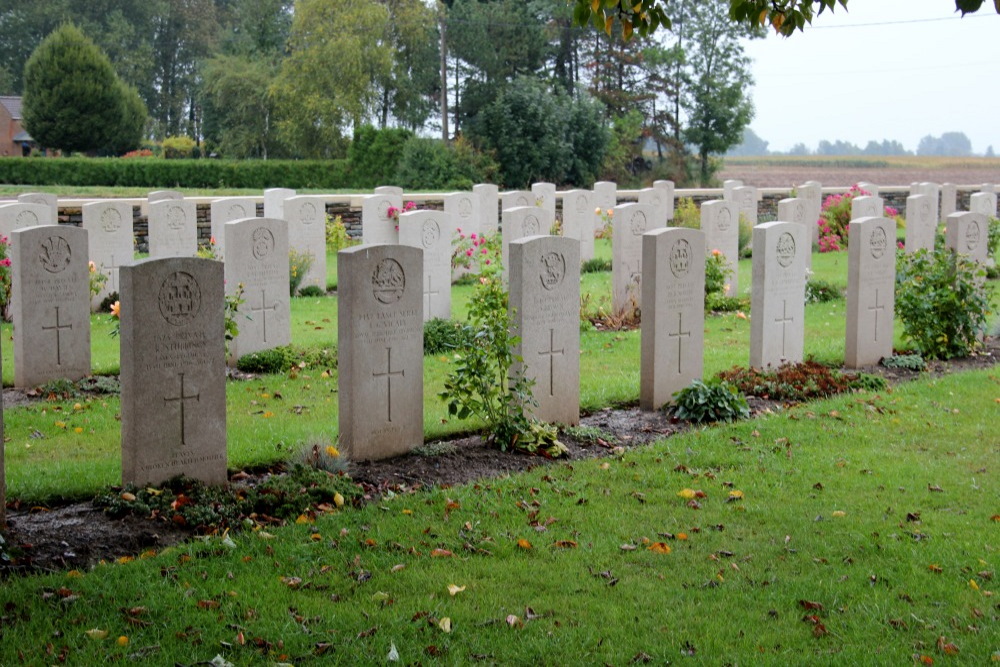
<point>158,173</point>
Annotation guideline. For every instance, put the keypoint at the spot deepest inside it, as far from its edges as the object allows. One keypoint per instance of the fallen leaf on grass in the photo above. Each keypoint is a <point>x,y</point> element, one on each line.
<point>524,544</point>
<point>208,604</point>
<point>734,496</point>
<point>94,633</point>
<point>935,487</point>
<point>564,544</point>
<point>397,568</point>
<point>935,568</point>
<point>454,590</point>
<point>441,553</point>
<point>628,547</point>
<point>445,624</point>
<point>838,513</point>
<point>973,585</point>
<point>809,605</point>
<point>514,622</point>
<point>659,548</point>
<point>946,647</point>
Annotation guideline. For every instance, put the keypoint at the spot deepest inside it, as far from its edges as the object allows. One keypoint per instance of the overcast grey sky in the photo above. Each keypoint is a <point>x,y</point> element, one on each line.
<point>885,69</point>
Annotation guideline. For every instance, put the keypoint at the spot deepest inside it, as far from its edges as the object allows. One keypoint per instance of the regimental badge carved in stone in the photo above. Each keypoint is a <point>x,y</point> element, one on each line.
<point>54,254</point>
<point>25,219</point>
<point>531,226</point>
<point>175,217</point>
<point>972,235</point>
<point>464,207</point>
<point>388,281</point>
<point>724,220</point>
<point>430,233</point>
<point>521,200</point>
<point>179,298</point>
<point>308,213</point>
<point>237,212</point>
<point>553,270</point>
<point>680,258</point>
<point>878,242</point>
<point>637,224</point>
<point>383,209</point>
<point>263,242</point>
<point>786,250</point>
<point>111,220</point>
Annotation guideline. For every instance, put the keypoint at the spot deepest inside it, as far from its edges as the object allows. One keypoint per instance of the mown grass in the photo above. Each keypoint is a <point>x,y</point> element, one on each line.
<point>866,534</point>
<point>270,418</point>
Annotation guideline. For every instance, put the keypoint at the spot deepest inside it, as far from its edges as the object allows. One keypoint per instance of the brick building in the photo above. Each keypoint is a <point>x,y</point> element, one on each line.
<point>13,139</point>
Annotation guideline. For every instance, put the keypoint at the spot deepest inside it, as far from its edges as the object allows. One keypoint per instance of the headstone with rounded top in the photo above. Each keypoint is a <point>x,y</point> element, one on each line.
<point>274,199</point>
<point>111,241</point>
<point>871,284</point>
<point>515,198</point>
<point>868,187</point>
<point>867,207</point>
<point>257,265</point>
<point>777,329</point>
<point>545,312</point>
<point>545,197</point>
<point>173,229</point>
<point>605,195</point>
<point>949,200</point>
<point>796,209</point>
<point>655,199</point>
<point>380,351</point>
<point>164,195</point>
<point>812,193</point>
<point>173,371</point>
<point>45,199</point>
<point>306,216</point>
<point>984,202</point>
<point>431,231</point>
<point>462,209</point>
<point>579,220</point>
<point>967,233</point>
<point>721,226</point>
<point>489,201</point>
<point>673,313</point>
<point>745,197</point>
<point>667,189</point>
<point>728,186</point>
<point>50,304</point>
<point>932,190</point>
<point>519,222</point>
<point>19,216</point>
<point>921,223</point>
<point>389,190</point>
<point>630,222</point>
<point>227,210</point>
<point>378,226</point>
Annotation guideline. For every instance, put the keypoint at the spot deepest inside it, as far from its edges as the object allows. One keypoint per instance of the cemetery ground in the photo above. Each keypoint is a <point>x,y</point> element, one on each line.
<point>857,529</point>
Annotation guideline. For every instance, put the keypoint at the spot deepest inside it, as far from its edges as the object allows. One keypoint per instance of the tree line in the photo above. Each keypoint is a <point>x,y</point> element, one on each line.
<point>516,91</point>
<point>949,144</point>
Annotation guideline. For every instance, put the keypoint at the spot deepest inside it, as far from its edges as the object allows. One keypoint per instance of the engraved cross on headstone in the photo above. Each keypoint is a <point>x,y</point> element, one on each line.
<point>429,293</point>
<point>388,375</point>
<point>112,271</point>
<point>876,308</point>
<point>263,310</point>
<point>680,334</point>
<point>784,320</point>
<point>58,329</point>
<point>550,353</point>
<point>180,399</point>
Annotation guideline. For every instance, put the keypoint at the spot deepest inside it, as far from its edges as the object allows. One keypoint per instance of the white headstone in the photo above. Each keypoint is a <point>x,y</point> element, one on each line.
<point>667,189</point>
<point>984,202</point>
<point>462,214</point>
<point>673,313</point>
<point>871,284</point>
<point>389,190</point>
<point>870,188</point>
<point>745,197</point>
<point>111,241</point>
<point>579,220</point>
<point>519,222</point>
<point>173,229</point>
<point>967,234</point>
<point>949,197</point>
<point>630,222</point>
<point>777,307</point>
<point>728,187</point>
<point>274,201</point>
<point>306,216</point>
<point>45,199</point>
<point>654,198</point>
<point>228,210</point>
<point>258,261</point>
<point>720,224</point>
<point>377,225</point>
<point>921,223</point>
<point>812,193</point>
<point>431,231</point>
<point>545,197</point>
<point>516,198</point>
<point>605,195</point>
<point>545,312</point>
<point>19,216</point>
<point>867,207</point>
<point>797,210</point>
<point>164,195</point>
<point>489,211</point>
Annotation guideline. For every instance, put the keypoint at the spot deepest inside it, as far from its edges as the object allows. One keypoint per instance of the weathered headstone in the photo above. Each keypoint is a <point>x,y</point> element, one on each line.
<point>489,211</point>
<point>988,187</point>
<point>630,222</point>
<point>720,224</point>
<point>50,304</point>
<point>377,226</point>
<point>812,193</point>
<point>673,313</point>
<point>274,199</point>
<point>173,229</point>
<point>866,207</point>
<point>545,197</point>
<point>381,356</point>
<point>111,241</point>
<point>605,195</point>
<point>516,198</point>
<point>257,262</point>
<point>868,187</point>
<point>777,329</point>
<point>949,200</point>
<point>19,216</point>
<point>579,220</point>
<point>667,189</point>
<point>984,202</point>
<point>745,197</point>
<point>797,210</point>
<point>921,223</point>
<point>45,199</point>
<point>656,201</point>
<point>164,195</point>
<point>306,216</point>
<point>431,231</point>
<point>932,190</point>
<point>967,234</point>
<point>228,210</point>
<point>871,284</point>
<point>390,191</point>
<point>517,223</point>
<point>545,310</point>
<point>173,371</point>
<point>727,188</point>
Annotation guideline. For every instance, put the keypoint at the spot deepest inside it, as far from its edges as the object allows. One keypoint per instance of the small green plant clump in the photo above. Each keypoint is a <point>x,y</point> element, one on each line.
<point>717,275</point>
<point>595,265</point>
<point>322,455</point>
<point>590,435</point>
<point>822,291</point>
<point>712,401</point>
<point>311,291</point>
<point>910,362</point>
<point>299,264</point>
<point>943,301</point>
<point>443,336</point>
<point>432,449</point>
<point>337,237</point>
<point>803,381</point>
<point>283,359</point>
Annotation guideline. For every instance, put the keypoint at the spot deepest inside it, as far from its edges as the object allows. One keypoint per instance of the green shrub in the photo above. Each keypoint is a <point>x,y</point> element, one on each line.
<point>427,164</point>
<point>910,362</point>
<point>745,239</point>
<point>943,302</point>
<point>443,336</point>
<point>595,265</point>
<point>686,214</point>
<point>284,358</point>
<point>337,237</point>
<point>869,382</point>
<point>803,381</point>
<point>717,273</point>
<point>702,402</point>
<point>374,155</point>
<point>175,148</point>
<point>822,291</point>
<point>312,291</point>
<point>299,264</point>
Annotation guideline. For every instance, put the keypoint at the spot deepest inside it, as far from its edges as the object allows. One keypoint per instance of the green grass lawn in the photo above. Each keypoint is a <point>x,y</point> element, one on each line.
<point>56,450</point>
<point>859,530</point>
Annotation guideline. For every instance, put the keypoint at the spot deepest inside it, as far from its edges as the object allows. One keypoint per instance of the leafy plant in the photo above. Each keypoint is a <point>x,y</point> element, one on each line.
<point>311,291</point>
<point>822,291</point>
<point>745,238</point>
<point>595,265</point>
<point>4,271</point>
<point>686,214</point>
<point>910,362</point>
<point>993,237</point>
<point>717,273</point>
<point>443,336</point>
<point>712,401</point>
<point>432,449</point>
<point>299,264</point>
<point>232,309</point>
<point>835,215</point>
<point>590,435</point>
<point>337,237</point>
<point>943,302</point>
<point>97,279</point>
<point>791,382</point>
<point>322,455</point>
<point>284,358</point>
<point>869,382</point>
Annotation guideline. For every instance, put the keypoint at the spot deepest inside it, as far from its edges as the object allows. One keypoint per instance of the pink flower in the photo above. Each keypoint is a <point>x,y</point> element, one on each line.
<point>483,251</point>
<point>461,236</point>
<point>891,212</point>
<point>5,261</point>
<point>211,240</point>
<point>468,253</point>
<point>459,230</point>
<point>487,262</point>
<point>472,236</point>
<point>409,206</point>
